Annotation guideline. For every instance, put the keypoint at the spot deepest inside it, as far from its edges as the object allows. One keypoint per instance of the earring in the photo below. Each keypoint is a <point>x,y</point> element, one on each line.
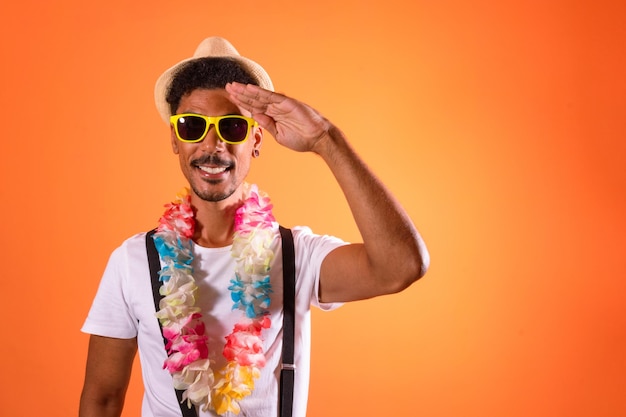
<point>255,153</point>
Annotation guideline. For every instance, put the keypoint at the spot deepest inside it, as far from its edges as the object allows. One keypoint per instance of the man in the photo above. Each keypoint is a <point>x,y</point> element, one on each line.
<point>221,257</point>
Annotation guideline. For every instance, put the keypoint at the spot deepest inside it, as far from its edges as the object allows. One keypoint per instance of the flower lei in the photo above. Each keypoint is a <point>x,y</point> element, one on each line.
<point>181,320</point>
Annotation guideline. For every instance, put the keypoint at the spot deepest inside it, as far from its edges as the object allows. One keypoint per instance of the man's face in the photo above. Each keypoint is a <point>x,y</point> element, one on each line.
<point>214,169</point>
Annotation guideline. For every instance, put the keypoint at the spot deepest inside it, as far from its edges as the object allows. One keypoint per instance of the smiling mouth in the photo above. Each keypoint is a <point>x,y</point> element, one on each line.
<point>212,170</point>
<point>212,165</point>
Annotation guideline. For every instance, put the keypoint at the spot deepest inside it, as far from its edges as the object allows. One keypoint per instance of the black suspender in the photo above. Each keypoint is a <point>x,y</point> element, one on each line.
<point>289,319</point>
<point>288,367</point>
<point>155,266</point>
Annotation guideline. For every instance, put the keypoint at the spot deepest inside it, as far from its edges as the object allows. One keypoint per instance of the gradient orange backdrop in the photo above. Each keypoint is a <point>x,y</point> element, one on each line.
<point>500,126</point>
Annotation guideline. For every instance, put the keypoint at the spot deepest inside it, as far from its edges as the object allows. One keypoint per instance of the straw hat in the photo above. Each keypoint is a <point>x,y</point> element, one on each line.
<point>210,47</point>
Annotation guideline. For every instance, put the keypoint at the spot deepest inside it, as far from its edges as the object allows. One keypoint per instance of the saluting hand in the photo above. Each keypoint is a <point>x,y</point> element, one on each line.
<point>293,124</point>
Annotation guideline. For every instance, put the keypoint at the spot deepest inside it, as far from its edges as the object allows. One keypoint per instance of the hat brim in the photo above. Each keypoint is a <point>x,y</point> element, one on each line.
<point>210,47</point>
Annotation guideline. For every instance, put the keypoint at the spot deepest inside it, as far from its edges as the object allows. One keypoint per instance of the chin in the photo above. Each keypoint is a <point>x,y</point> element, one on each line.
<point>213,194</point>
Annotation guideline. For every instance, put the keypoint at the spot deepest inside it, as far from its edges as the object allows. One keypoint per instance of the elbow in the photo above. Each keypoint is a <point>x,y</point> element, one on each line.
<point>418,261</point>
<point>422,259</point>
<point>409,271</point>
<point>424,263</point>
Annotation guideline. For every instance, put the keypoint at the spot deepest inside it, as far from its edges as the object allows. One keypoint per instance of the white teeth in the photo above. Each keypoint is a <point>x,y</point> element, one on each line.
<point>210,170</point>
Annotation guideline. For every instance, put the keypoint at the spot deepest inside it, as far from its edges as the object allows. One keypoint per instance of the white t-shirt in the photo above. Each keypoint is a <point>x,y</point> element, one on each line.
<point>124,308</point>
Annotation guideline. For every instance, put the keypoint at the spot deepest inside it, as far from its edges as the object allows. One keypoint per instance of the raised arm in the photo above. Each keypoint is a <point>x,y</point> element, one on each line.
<point>392,255</point>
<point>109,365</point>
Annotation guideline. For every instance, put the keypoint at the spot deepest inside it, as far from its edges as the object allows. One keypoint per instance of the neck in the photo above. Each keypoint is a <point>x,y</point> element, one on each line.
<point>215,221</point>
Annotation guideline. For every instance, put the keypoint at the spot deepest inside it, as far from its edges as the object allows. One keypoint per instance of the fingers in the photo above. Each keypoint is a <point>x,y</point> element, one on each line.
<point>253,98</point>
<point>250,91</point>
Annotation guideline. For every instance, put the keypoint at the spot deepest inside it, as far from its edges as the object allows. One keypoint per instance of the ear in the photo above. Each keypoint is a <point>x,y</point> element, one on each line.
<point>257,139</point>
<point>174,140</point>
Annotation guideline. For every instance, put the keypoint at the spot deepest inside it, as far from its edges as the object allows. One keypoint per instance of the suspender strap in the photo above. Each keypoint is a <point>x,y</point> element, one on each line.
<point>288,368</point>
<point>155,266</point>
<point>289,307</point>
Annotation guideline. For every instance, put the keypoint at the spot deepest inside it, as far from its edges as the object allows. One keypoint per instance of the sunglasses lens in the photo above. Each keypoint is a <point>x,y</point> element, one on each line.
<point>233,129</point>
<point>191,127</point>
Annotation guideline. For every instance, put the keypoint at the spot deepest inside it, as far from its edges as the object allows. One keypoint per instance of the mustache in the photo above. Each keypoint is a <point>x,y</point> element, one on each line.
<point>211,159</point>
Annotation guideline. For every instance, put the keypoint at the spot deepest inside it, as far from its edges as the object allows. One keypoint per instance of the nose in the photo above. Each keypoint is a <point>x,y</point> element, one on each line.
<point>211,142</point>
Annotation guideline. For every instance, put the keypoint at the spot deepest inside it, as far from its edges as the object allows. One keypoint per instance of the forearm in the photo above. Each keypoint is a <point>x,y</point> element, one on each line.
<point>395,251</point>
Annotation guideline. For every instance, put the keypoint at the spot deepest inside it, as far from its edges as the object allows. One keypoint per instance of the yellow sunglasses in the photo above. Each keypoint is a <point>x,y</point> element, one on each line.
<point>233,128</point>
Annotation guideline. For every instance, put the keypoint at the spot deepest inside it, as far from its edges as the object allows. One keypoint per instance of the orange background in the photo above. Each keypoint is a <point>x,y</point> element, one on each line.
<point>500,126</point>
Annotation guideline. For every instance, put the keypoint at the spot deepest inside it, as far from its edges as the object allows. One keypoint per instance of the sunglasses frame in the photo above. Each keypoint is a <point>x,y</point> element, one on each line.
<point>213,120</point>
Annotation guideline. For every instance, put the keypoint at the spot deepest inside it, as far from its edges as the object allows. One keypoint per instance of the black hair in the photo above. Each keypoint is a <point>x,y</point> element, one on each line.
<point>209,73</point>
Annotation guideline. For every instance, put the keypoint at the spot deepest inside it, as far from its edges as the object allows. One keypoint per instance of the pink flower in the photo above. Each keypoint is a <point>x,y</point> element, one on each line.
<point>178,216</point>
<point>255,212</point>
<point>186,338</point>
<point>186,350</point>
<point>175,362</point>
<point>244,345</point>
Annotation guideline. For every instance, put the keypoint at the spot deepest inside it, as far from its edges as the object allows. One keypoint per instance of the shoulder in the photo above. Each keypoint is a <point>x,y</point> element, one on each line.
<point>304,235</point>
<point>131,250</point>
<point>314,246</point>
<point>133,243</point>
